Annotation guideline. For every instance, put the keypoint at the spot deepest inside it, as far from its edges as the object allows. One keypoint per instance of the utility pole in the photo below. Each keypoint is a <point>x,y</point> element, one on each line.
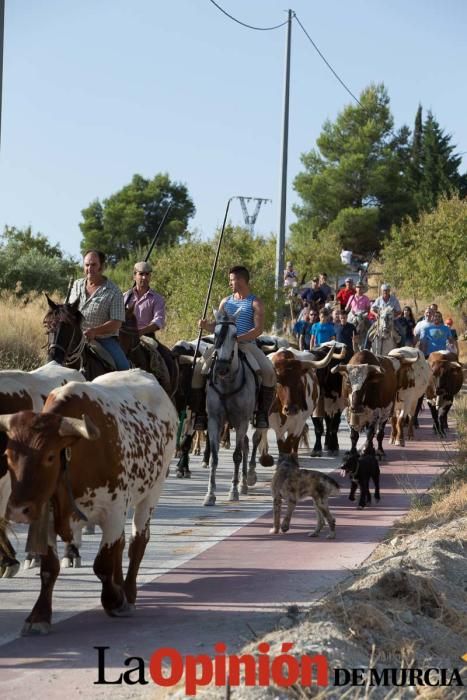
<point>280,247</point>
<point>250,219</point>
<point>2,24</point>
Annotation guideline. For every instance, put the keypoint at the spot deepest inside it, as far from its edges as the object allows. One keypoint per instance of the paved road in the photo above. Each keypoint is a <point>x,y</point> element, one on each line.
<point>210,574</point>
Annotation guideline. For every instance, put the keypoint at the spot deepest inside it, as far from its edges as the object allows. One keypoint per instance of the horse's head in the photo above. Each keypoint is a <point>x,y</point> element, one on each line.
<point>225,341</point>
<point>129,334</point>
<point>65,339</point>
<point>386,320</point>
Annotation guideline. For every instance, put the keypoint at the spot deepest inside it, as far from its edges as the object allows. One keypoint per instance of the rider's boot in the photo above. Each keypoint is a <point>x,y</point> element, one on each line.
<point>198,406</point>
<point>265,399</point>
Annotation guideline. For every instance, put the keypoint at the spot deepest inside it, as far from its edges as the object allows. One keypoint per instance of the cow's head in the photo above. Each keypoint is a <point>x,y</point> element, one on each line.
<point>291,389</point>
<point>447,375</point>
<point>33,452</point>
<point>361,378</point>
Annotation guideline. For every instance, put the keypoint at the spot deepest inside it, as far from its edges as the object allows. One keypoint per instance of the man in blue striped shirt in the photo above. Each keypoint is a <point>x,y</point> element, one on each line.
<point>250,325</point>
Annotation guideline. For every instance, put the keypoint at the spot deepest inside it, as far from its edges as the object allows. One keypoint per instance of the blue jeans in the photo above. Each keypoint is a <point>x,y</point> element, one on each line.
<point>114,348</point>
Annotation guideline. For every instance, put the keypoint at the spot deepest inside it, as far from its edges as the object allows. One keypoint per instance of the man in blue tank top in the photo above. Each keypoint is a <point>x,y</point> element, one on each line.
<point>250,325</point>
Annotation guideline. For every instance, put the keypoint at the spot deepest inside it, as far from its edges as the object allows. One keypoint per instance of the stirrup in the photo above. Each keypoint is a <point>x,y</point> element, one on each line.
<point>200,422</point>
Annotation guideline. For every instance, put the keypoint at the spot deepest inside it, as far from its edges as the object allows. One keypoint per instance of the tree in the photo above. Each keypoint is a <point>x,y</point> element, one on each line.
<point>355,175</point>
<point>30,263</point>
<point>128,219</point>
<point>436,167</point>
<point>22,241</point>
<point>426,258</point>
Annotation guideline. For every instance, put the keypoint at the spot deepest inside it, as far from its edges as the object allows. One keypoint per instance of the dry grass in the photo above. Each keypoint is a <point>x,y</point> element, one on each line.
<point>22,340</point>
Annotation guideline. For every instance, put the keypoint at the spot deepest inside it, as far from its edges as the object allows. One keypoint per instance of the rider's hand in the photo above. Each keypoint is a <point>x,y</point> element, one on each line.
<point>202,323</point>
<point>89,334</point>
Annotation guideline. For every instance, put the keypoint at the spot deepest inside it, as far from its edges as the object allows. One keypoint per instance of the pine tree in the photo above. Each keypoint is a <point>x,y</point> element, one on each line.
<point>439,166</point>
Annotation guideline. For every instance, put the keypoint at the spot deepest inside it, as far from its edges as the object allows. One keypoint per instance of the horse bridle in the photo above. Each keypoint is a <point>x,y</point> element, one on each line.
<point>217,344</point>
<point>70,357</point>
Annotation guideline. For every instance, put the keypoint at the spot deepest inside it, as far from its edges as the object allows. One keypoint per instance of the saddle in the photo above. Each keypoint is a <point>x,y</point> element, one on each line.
<point>157,364</point>
<point>102,355</point>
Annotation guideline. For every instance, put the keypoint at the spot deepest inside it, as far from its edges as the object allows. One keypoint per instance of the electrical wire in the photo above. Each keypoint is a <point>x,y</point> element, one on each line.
<point>327,62</point>
<point>248,26</point>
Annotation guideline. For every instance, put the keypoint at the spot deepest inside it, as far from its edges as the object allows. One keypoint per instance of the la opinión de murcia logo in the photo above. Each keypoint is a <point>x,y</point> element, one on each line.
<point>167,668</point>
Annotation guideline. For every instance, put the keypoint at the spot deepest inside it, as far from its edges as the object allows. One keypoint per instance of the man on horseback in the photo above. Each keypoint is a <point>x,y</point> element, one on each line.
<point>387,299</point>
<point>250,325</point>
<point>101,304</point>
<point>149,310</point>
<point>148,306</point>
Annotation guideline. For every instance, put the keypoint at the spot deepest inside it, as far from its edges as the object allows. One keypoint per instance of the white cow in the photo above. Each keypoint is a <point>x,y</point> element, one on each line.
<point>413,378</point>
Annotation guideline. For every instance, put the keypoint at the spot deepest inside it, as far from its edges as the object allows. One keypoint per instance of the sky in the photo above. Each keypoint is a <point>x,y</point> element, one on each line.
<point>97,90</point>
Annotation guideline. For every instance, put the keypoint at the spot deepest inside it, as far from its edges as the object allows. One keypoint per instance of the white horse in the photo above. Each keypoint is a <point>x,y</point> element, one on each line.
<point>383,334</point>
<point>231,396</point>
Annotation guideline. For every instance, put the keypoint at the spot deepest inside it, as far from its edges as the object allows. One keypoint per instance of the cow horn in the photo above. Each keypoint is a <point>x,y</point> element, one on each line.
<point>376,368</point>
<point>340,355</point>
<point>80,428</point>
<point>339,368</point>
<point>5,421</point>
<point>456,364</point>
<point>319,364</point>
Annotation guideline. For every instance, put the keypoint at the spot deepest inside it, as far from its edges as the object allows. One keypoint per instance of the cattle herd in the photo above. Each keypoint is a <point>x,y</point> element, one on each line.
<point>76,452</point>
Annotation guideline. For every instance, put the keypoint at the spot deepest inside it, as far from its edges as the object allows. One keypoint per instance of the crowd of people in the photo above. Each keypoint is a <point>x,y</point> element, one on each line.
<point>324,317</point>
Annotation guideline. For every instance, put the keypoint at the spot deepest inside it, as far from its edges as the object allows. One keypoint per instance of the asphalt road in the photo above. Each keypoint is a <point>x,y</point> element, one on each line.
<point>209,575</point>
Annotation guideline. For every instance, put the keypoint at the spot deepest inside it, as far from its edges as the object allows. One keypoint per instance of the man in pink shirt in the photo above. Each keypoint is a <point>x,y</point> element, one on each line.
<point>149,307</point>
<point>359,303</point>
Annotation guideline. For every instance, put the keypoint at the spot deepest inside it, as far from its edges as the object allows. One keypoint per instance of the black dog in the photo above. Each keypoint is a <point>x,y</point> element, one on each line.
<point>362,468</point>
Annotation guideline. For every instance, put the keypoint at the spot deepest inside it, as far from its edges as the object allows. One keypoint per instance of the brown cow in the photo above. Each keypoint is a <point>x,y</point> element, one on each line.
<point>96,449</point>
<point>447,381</point>
<point>22,391</point>
<point>297,394</point>
<point>371,385</point>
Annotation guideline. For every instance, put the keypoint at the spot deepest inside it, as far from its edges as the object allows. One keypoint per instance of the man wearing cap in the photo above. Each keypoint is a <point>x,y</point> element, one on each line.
<point>149,307</point>
<point>101,304</point>
<point>344,295</point>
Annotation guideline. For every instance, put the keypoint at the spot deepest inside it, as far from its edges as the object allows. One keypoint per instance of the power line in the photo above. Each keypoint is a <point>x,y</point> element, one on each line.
<point>327,62</point>
<point>248,26</point>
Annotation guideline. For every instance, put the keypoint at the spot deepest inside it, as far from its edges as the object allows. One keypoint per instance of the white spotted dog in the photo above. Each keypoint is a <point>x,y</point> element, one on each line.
<point>291,483</point>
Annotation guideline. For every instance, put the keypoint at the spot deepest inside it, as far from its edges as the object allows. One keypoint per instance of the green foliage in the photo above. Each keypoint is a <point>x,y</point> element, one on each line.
<point>182,273</point>
<point>436,167</point>
<point>128,220</point>
<point>358,166</point>
<point>426,258</point>
<point>29,263</point>
<point>21,241</point>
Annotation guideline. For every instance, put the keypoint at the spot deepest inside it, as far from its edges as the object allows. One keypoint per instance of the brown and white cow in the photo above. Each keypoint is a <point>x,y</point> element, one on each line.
<point>446,383</point>
<point>297,394</point>
<point>108,443</point>
<point>22,391</point>
<point>370,385</point>
<point>413,378</point>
